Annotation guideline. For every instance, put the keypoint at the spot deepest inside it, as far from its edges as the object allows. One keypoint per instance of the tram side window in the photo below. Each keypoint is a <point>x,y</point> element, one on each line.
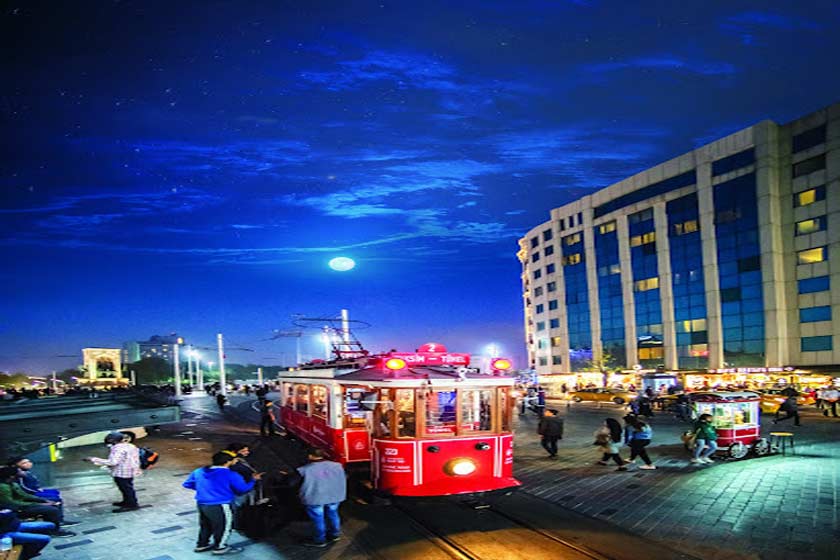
<point>319,401</point>
<point>405,413</point>
<point>440,413</point>
<point>476,410</point>
<point>383,414</point>
<point>289,392</point>
<point>302,398</point>
<point>505,408</point>
<point>355,412</point>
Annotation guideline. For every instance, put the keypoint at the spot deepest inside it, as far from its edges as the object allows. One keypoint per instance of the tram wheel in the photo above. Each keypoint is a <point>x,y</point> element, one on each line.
<point>738,450</point>
<point>761,447</point>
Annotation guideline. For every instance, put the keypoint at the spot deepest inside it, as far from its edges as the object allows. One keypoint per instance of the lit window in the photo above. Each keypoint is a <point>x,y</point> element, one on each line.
<point>643,239</point>
<point>810,226</point>
<point>810,196</point>
<point>692,325</point>
<point>646,284</point>
<point>607,227</point>
<point>651,353</point>
<point>571,259</point>
<point>809,256</point>
<point>571,239</point>
<point>689,226</point>
<point>556,341</point>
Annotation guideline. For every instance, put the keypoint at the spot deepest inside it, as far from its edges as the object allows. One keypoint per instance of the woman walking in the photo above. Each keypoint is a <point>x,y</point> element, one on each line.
<point>608,437</point>
<point>638,435</point>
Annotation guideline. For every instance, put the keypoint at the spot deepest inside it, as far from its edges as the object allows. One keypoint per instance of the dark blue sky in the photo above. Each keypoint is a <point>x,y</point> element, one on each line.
<point>192,167</point>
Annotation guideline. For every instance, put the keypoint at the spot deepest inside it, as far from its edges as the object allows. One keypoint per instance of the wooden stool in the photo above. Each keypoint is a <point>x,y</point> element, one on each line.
<point>13,554</point>
<point>783,440</point>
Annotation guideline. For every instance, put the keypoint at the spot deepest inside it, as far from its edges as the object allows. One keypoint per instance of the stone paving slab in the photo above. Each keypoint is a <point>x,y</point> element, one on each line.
<point>763,508</point>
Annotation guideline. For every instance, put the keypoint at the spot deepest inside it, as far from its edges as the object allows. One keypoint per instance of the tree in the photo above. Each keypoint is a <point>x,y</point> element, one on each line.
<point>150,371</point>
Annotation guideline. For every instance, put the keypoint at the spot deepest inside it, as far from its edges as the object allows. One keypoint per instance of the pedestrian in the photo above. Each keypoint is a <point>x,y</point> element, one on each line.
<point>637,435</point>
<point>124,463</point>
<point>323,488</point>
<point>220,402</point>
<point>608,438</point>
<point>830,398</point>
<point>791,410</point>
<point>14,498</point>
<point>705,440</point>
<point>240,452</point>
<point>540,401</point>
<point>267,419</point>
<point>551,430</point>
<point>216,487</point>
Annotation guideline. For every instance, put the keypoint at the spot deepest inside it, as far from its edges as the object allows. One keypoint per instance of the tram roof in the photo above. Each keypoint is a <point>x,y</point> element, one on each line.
<point>373,374</point>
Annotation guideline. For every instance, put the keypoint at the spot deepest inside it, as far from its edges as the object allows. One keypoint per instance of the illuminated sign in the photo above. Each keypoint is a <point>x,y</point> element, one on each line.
<point>431,359</point>
<point>753,370</point>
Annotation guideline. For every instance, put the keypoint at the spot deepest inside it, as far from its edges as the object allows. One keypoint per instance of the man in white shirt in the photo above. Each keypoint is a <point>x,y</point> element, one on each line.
<point>830,398</point>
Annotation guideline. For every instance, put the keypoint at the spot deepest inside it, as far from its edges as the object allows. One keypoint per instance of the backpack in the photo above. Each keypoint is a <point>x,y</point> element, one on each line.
<point>148,457</point>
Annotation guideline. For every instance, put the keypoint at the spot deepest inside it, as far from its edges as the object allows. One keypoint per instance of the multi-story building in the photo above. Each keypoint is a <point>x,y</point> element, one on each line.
<point>156,347</point>
<point>726,257</point>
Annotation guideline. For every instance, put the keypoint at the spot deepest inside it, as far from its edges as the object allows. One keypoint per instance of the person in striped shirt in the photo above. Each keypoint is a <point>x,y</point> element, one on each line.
<point>124,464</point>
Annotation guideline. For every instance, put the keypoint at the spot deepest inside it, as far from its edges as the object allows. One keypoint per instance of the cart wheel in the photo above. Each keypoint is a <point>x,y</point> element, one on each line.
<point>761,447</point>
<point>738,450</point>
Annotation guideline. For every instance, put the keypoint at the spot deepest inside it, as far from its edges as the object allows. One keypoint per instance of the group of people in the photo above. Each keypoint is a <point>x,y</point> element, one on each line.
<point>29,514</point>
<point>227,485</point>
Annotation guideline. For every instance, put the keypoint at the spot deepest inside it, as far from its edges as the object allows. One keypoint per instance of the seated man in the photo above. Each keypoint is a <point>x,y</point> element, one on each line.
<point>29,534</point>
<point>29,482</point>
<point>14,498</point>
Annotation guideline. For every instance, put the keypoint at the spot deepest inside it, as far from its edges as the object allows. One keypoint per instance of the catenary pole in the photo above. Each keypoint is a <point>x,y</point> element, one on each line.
<point>177,367</point>
<point>222,380</point>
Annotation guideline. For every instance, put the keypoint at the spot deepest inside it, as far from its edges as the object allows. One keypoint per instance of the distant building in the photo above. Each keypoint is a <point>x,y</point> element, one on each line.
<point>719,259</point>
<point>156,347</point>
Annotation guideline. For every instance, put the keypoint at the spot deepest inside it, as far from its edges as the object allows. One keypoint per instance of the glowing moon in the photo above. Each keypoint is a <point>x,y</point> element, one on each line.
<point>342,264</point>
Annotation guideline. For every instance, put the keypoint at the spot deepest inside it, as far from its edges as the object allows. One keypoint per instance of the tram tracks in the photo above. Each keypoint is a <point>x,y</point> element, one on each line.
<point>482,531</point>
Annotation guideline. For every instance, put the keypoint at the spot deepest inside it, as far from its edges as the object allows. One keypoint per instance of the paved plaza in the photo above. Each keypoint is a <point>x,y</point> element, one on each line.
<point>766,508</point>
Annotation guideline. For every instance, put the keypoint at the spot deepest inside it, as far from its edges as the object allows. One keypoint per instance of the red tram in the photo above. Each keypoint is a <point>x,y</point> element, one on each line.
<point>428,424</point>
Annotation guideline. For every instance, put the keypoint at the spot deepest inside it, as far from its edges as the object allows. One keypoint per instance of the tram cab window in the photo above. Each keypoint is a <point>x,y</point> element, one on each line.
<point>289,393</point>
<point>505,405</point>
<point>319,401</point>
<point>302,398</point>
<point>355,413</point>
<point>406,417</point>
<point>440,413</point>
<point>476,410</point>
<point>384,414</point>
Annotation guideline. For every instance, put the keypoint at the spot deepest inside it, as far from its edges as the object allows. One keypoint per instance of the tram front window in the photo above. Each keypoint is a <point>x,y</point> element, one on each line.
<point>302,398</point>
<point>405,413</point>
<point>440,413</point>
<point>476,410</point>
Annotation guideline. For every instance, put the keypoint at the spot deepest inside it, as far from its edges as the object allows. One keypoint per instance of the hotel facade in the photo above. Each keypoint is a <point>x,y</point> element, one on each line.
<point>724,259</point>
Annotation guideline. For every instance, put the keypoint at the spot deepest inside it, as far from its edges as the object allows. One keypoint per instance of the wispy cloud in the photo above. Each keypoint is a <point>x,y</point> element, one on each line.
<point>244,157</point>
<point>750,25</point>
<point>664,63</point>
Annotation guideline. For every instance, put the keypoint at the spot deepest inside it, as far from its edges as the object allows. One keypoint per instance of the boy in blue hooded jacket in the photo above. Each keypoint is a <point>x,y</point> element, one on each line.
<point>215,487</point>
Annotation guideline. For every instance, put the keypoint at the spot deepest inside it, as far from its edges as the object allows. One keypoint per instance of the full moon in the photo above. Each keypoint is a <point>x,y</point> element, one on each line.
<point>342,264</point>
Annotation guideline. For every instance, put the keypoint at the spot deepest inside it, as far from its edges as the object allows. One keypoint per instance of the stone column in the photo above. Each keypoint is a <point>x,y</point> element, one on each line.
<point>706,209</point>
<point>666,289</point>
<point>627,296</point>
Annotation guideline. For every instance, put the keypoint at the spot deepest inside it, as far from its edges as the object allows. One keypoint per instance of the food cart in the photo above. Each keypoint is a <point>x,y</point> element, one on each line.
<point>735,416</point>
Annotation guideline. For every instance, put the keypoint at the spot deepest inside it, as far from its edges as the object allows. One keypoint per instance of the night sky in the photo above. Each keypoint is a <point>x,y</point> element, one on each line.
<point>192,166</point>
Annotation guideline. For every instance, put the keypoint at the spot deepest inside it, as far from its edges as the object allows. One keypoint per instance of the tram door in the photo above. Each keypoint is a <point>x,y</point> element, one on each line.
<point>358,422</point>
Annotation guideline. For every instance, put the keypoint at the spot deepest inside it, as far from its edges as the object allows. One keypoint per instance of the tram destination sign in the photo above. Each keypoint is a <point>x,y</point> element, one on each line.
<point>432,358</point>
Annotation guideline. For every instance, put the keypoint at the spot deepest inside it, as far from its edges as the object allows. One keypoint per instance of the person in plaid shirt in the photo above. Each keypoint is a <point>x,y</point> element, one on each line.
<point>124,463</point>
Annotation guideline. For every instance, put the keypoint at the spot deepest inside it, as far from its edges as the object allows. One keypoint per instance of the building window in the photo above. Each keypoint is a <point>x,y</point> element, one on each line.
<point>814,314</point>
<point>549,250</point>
<point>552,305</point>
<point>571,239</point>
<point>810,256</point>
<point>692,325</point>
<point>812,285</point>
<point>646,284</point>
<point>562,224</point>
<point>809,139</point>
<point>571,259</point>
<point>551,287</point>
<point>542,343</point>
<point>538,291</point>
<point>810,196</point>
<point>537,274</point>
<point>554,323</point>
<point>556,360</point>
<point>640,217</point>
<point>543,361</point>
<point>540,325</point>
<point>547,235</point>
<point>748,264</point>
<point>535,257</point>
<point>643,239</point>
<point>540,308</point>
<point>609,269</point>
<point>733,162</point>
<point>653,353</point>
<point>689,226</point>
<point>809,165</point>
<point>728,295</point>
<point>549,269</point>
<point>572,221</point>
<point>556,341</point>
<point>815,343</point>
<point>810,226</point>
<point>606,228</point>
<point>534,242</point>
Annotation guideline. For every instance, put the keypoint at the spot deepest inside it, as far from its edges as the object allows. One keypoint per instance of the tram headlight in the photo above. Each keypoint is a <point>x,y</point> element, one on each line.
<point>395,364</point>
<point>460,467</point>
<point>501,364</point>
